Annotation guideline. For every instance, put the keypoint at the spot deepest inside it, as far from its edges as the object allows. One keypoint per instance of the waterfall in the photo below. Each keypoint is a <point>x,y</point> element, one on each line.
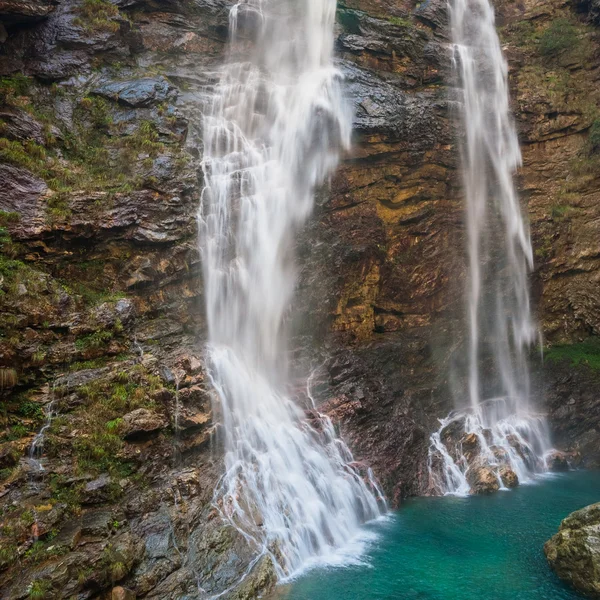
<point>500,324</point>
<point>274,130</point>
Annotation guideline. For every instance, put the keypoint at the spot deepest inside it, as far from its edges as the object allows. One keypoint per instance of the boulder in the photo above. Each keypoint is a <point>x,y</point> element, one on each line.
<point>509,477</point>
<point>557,461</point>
<point>121,593</point>
<point>483,480</point>
<point>142,421</point>
<point>470,446</point>
<point>574,552</point>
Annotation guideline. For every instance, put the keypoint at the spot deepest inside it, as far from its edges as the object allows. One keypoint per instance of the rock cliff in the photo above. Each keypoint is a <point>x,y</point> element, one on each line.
<point>101,303</point>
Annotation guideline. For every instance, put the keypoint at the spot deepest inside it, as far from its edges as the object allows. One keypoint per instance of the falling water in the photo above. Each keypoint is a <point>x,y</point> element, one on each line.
<point>274,131</point>
<point>501,328</point>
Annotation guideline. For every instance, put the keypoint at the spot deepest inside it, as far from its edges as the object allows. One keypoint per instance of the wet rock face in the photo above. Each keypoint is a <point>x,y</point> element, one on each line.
<point>384,266</point>
<point>100,141</point>
<point>574,552</point>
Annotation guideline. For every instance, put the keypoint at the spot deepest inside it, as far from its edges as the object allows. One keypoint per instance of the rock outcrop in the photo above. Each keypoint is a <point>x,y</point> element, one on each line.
<point>574,552</point>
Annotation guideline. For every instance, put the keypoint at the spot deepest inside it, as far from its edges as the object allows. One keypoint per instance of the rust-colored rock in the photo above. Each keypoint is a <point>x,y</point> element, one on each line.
<point>509,477</point>
<point>483,480</point>
<point>142,421</point>
<point>121,593</point>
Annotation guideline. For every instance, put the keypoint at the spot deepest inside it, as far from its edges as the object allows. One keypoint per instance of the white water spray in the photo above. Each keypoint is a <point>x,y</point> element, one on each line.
<point>501,328</point>
<point>274,131</point>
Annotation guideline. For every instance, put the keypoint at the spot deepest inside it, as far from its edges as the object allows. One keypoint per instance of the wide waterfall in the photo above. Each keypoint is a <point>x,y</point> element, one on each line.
<point>274,130</point>
<point>499,430</point>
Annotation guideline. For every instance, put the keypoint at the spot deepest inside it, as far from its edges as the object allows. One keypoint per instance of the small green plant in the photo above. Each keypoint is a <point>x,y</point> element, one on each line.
<point>114,425</point>
<point>8,554</point>
<point>559,36</point>
<point>14,86</point>
<point>30,410</point>
<point>39,589</point>
<point>560,212</point>
<point>114,563</point>
<point>17,431</point>
<point>95,340</point>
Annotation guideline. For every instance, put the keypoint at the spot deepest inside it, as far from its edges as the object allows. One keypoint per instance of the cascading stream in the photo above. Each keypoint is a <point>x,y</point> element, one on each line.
<point>274,130</point>
<point>500,325</point>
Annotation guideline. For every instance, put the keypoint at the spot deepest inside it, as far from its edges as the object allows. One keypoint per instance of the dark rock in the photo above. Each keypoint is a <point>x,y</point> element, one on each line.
<point>434,13</point>
<point>137,92</point>
<point>574,552</point>
<point>557,461</point>
<point>97,523</point>
<point>24,193</point>
<point>69,535</point>
<point>13,12</point>
<point>97,491</point>
<point>20,125</point>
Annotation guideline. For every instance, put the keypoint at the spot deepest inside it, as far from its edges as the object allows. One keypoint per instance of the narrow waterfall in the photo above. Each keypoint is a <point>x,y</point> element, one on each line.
<point>500,427</point>
<point>274,130</point>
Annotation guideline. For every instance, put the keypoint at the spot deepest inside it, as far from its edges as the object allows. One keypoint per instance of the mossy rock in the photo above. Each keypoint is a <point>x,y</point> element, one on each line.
<point>574,552</point>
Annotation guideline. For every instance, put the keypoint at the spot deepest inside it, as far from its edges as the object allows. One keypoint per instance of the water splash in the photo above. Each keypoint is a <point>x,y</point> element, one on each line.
<point>501,328</point>
<point>274,131</point>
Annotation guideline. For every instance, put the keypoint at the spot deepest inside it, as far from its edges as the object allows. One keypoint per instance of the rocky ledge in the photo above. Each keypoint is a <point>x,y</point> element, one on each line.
<point>574,552</point>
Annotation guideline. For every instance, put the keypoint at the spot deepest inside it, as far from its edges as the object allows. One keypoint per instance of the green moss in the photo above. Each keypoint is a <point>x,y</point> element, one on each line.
<point>26,154</point>
<point>145,139</point>
<point>97,452</point>
<point>16,432</point>
<point>14,86</point>
<point>586,352</point>
<point>594,137</point>
<point>98,16</point>
<point>98,110</point>
<point>43,550</point>
<point>560,212</point>
<point>400,22</point>
<point>96,363</point>
<point>92,296</point>
<point>8,554</point>
<point>8,218</point>
<point>65,492</point>
<point>95,340</point>
<point>559,36</point>
<point>97,449</point>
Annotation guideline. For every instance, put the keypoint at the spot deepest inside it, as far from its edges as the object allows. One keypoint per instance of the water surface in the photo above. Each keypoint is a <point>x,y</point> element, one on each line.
<point>475,548</point>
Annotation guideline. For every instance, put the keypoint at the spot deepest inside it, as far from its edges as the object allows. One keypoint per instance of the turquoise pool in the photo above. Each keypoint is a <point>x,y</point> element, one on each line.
<point>477,548</point>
